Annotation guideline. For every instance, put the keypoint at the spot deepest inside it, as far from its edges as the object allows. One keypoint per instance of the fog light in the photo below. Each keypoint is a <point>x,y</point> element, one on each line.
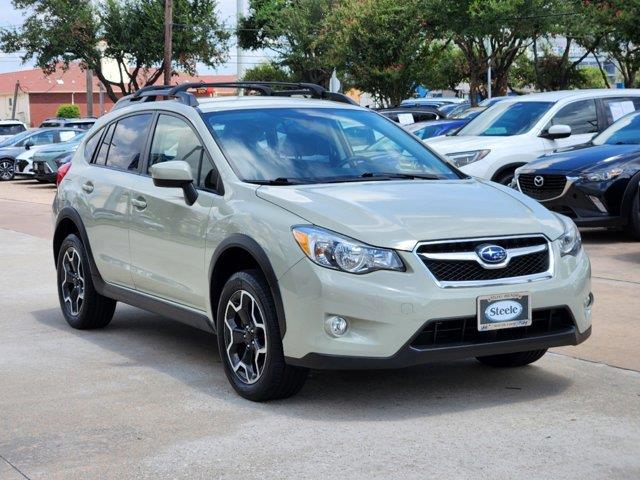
<point>588,301</point>
<point>336,326</point>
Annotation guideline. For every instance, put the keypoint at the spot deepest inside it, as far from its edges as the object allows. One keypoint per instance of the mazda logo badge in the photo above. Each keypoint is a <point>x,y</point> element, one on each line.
<point>538,180</point>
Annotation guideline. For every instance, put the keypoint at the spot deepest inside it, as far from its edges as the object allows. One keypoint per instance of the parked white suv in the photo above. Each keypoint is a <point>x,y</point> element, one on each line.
<point>518,130</point>
<point>285,226</point>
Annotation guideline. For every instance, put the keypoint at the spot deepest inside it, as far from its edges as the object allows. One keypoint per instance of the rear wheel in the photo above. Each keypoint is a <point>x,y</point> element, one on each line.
<point>518,359</point>
<point>7,170</point>
<point>634,220</point>
<point>250,343</point>
<point>83,308</point>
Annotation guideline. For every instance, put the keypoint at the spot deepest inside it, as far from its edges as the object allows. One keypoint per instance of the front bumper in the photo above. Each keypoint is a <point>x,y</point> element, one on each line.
<point>386,311</point>
<point>591,204</point>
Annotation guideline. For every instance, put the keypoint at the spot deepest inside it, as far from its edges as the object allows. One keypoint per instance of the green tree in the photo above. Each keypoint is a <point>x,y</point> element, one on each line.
<point>445,67</point>
<point>297,31</point>
<point>488,31</point>
<point>573,23</point>
<point>68,110</point>
<point>268,72</point>
<point>381,46</point>
<point>619,23</point>
<point>57,32</point>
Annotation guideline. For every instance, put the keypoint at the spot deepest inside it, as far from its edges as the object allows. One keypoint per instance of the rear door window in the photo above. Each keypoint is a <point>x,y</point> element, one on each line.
<point>42,138</point>
<point>581,116</point>
<point>618,107</point>
<point>127,142</point>
<point>67,135</point>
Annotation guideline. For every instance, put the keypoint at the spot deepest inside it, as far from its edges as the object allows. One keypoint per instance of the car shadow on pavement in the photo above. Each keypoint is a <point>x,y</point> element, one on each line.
<point>191,356</point>
<point>604,236</point>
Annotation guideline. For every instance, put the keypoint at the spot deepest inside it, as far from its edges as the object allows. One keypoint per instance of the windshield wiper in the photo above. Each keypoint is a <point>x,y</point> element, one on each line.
<point>395,175</point>
<point>277,181</point>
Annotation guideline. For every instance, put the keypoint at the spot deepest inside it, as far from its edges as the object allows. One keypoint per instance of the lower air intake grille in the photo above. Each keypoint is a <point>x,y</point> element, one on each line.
<point>464,331</point>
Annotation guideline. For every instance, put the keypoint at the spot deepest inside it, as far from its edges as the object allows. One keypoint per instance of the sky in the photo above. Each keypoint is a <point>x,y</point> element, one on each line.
<point>10,62</point>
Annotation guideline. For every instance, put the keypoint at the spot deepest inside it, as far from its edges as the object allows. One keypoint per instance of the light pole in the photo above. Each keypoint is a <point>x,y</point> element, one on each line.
<point>168,33</point>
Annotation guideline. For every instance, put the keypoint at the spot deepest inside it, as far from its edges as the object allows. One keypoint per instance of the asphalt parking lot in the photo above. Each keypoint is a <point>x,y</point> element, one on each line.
<point>147,398</point>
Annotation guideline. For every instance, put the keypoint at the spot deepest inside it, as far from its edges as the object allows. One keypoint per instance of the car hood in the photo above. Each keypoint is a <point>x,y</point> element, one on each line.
<point>465,143</point>
<point>397,214</point>
<point>583,158</point>
<point>10,151</point>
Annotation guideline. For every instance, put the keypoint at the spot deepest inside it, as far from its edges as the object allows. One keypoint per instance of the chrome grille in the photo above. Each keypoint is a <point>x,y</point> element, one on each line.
<point>455,263</point>
<point>552,185</point>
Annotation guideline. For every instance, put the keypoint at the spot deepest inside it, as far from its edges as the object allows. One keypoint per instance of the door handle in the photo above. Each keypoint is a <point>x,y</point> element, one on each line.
<point>139,203</point>
<point>88,187</point>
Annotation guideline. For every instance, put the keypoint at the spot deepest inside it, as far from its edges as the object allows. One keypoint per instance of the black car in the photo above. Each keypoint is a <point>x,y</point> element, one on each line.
<point>407,115</point>
<point>597,183</point>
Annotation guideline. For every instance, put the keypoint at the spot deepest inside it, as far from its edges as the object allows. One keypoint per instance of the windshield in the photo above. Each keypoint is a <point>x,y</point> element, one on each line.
<point>309,145</point>
<point>506,118</point>
<point>469,113</point>
<point>15,139</point>
<point>11,129</point>
<point>625,131</point>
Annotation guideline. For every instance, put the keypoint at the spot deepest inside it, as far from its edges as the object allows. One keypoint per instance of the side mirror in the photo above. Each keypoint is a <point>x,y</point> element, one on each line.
<point>175,174</point>
<point>28,144</point>
<point>557,131</point>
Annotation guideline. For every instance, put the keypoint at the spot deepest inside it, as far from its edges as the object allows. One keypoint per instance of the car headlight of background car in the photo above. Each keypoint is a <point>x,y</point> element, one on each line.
<point>570,240</point>
<point>602,175</point>
<point>460,159</point>
<point>335,251</point>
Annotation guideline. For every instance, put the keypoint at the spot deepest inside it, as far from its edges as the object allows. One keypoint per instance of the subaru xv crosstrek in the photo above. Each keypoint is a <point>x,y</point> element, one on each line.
<point>282,224</point>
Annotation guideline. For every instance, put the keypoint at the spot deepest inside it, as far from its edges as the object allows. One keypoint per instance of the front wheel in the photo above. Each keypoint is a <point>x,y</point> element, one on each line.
<point>7,170</point>
<point>518,359</point>
<point>634,219</point>
<point>250,343</point>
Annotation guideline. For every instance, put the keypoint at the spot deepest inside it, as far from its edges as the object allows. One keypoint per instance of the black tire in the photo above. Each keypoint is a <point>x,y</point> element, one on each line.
<point>275,379</point>
<point>94,310</point>
<point>505,178</point>
<point>7,169</point>
<point>518,359</point>
<point>634,216</point>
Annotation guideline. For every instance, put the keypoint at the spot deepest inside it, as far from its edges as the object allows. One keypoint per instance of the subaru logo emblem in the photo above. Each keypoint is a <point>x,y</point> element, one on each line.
<point>491,253</point>
<point>538,180</point>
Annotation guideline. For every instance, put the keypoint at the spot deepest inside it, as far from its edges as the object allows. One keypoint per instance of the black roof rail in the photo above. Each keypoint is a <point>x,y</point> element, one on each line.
<point>269,89</point>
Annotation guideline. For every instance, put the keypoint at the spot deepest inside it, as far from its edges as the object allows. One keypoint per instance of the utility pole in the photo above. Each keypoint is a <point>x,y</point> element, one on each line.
<point>89,73</point>
<point>101,98</point>
<point>15,100</point>
<point>168,33</point>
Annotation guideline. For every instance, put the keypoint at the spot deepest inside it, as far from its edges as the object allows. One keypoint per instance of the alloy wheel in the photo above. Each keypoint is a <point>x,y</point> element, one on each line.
<point>245,336</point>
<point>6,170</point>
<point>72,281</point>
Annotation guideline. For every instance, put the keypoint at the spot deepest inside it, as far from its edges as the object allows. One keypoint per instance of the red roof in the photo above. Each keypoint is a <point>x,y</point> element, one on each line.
<point>74,80</point>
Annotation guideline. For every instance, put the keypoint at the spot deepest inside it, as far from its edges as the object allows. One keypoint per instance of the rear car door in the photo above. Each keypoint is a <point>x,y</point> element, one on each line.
<point>582,117</point>
<point>167,235</point>
<point>107,190</point>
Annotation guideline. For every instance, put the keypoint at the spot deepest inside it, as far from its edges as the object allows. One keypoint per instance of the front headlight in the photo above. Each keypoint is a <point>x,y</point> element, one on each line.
<point>570,240</point>
<point>334,251</point>
<point>460,159</point>
<point>602,176</point>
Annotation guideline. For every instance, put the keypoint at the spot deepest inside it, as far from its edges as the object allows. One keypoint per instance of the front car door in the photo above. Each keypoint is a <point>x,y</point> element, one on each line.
<point>106,188</point>
<point>582,117</point>
<point>167,235</point>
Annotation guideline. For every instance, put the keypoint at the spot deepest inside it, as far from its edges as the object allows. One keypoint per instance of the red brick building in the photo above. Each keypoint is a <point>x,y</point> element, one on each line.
<point>39,95</point>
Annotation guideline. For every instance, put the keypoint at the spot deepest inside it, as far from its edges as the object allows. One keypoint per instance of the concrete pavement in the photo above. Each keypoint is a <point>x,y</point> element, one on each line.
<point>147,398</point>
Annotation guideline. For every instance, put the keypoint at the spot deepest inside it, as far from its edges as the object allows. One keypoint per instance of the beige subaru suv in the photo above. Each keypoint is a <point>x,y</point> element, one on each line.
<point>307,232</point>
